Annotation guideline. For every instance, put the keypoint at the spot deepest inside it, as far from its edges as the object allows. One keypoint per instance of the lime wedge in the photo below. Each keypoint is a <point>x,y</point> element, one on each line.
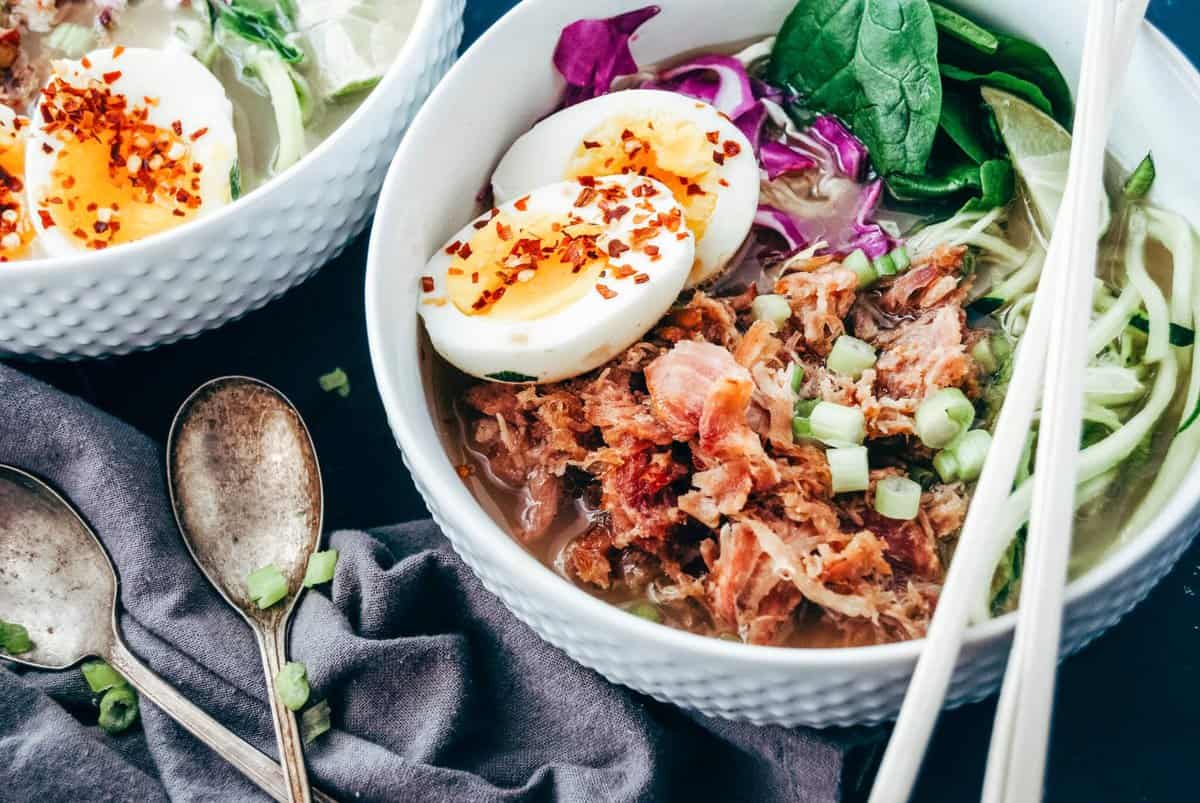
<point>1041,153</point>
<point>352,42</point>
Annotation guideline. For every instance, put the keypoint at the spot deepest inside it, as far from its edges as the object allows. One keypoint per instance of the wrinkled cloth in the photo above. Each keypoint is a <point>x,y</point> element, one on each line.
<point>438,693</point>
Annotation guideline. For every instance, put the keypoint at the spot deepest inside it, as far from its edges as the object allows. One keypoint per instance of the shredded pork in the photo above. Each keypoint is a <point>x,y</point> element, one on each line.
<point>681,454</point>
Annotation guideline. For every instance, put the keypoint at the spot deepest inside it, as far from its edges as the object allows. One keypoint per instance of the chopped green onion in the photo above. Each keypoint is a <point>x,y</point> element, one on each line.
<point>266,585</point>
<point>837,425</point>
<point>773,308</point>
<point>118,709</point>
<point>101,677</point>
<point>235,182</point>
<point>848,469</point>
<point>797,377</point>
<point>885,265</point>
<point>945,463</point>
<point>982,353</point>
<point>943,416</point>
<point>646,610</point>
<point>850,356</point>
<point>858,262</point>
<point>897,498</point>
<point>1137,186</point>
<point>901,259</point>
<point>985,305</point>
<point>320,568</point>
<point>1179,335</point>
<point>511,376</point>
<point>970,453</point>
<point>291,684</point>
<point>801,428</point>
<point>335,381</point>
<point>71,39</point>
<point>315,721</point>
<point>14,638</point>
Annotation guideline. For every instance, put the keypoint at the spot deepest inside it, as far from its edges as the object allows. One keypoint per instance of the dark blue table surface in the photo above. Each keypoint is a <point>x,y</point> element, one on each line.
<point>1127,720</point>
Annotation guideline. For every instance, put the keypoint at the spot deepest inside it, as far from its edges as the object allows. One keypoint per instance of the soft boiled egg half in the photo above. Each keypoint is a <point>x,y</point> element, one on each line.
<point>689,146</point>
<point>16,232</point>
<point>557,282</point>
<point>126,143</point>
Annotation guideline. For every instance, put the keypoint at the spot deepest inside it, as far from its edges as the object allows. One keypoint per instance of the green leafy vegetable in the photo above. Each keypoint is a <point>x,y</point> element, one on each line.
<point>956,180</point>
<point>874,64</point>
<point>954,24</point>
<point>321,566</point>
<point>315,721</point>
<point>1001,80</point>
<point>118,709</point>
<point>1137,186</point>
<point>335,381</point>
<point>997,184</point>
<point>1006,583</point>
<point>235,181</point>
<point>511,376</point>
<point>291,684</point>
<point>258,22</point>
<point>101,677</point>
<point>14,638</point>
<point>1018,59</point>
<point>963,123</point>
<point>1180,335</point>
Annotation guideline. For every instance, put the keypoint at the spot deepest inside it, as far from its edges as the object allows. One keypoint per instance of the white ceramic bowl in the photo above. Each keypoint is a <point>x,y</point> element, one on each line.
<point>207,273</point>
<point>507,79</point>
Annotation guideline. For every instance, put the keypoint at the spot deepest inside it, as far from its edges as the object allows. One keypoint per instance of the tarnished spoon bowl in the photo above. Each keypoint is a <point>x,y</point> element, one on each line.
<point>58,582</point>
<point>246,489</point>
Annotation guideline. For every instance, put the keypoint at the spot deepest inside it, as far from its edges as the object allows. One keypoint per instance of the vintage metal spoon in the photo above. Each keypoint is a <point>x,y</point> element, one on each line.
<point>246,489</point>
<point>57,581</point>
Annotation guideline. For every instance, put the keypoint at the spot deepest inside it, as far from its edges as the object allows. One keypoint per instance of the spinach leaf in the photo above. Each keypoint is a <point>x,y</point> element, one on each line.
<point>961,122</point>
<point>874,64</point>
<point>1001,80</point>
<point>997,183</point>
<point>1019,59</point>
<point>954,24</point>
<point>953,180</point>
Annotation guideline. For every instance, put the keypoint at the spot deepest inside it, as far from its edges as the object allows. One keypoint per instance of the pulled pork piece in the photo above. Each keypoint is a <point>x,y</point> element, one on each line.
<point>928,354</point>
<point>820,300</point>
<point>589,557</point>
<point>638,494</point>
<point>38,16</point>
<point>528,438</point>
<point>933,281</point>
<point>18,79</point>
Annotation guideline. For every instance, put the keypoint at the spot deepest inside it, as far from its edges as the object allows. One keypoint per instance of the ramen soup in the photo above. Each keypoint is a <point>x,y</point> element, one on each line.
<point>727,346</point>
<point>125,118</point>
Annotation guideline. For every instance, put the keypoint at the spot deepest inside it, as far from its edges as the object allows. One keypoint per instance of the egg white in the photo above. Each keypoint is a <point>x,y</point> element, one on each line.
<point>582,335</point>
<point>543,154</point>
<point>184,90</point>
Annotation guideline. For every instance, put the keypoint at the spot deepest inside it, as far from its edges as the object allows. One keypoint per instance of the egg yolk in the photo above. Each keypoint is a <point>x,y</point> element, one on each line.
<point>116,177</point>
<point>16,232</point>
<point>521,268</point>
<point>674,151</point>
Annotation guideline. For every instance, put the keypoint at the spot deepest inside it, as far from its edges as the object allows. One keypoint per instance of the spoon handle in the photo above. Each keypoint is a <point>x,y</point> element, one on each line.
<point>255,765</point>
<point>272,643</point>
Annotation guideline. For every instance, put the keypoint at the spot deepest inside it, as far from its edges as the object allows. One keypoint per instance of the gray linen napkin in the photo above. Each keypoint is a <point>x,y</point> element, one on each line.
<point>438,692</point>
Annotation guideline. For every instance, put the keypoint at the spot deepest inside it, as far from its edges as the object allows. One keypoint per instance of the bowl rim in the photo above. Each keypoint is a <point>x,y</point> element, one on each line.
<point>439,482</point>
<point>428,12</point>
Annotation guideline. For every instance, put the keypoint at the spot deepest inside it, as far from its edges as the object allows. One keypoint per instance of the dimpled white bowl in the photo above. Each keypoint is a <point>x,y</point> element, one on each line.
<point>204,274</point>
<point>507,79</point>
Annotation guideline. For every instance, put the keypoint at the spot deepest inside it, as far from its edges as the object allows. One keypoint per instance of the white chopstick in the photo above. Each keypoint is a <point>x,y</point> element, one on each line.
<point>1017,756</point>
<point>971,565</point>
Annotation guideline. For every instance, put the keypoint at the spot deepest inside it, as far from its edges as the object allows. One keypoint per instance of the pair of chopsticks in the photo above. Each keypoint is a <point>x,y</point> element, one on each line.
<point>1052,351</point>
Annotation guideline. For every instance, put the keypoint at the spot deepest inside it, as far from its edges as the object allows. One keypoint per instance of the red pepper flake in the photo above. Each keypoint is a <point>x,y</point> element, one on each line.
<point>475,277</point>
<point>713,136</point>
<point>731,148</point>
<point>641,278</point>
<point>47,220</point>
<point>177,127</point>
<point>109,77</point>
<point>465,470</point>
<point>452,249</point>
<point>99,227</point>
<point>80,234</point>
<point>586,196</point>
<point>589,144</point>
<point>605,292</point>
<point>87,64</point>
<point>427,284</point>
<point>587,181</point>
<point>718,157</point>
<point>644,191</point>
<point>616,213</point>
<point>681,235</point>
<point>454,272</point>
<point>626,135</point>
<point>492,213</point>
<point>199,132</point>
<point>650,250</point>
<point>616,248</point>
<point>464,253</point>
<point>502,231</point>
<point>623,271</point>
<point>117,51</point>
<point>521,204</point>
<point>694,189</point>
<point>46,148</point>
<point>178,213</point>
<point>480,224</point>
<point>723,182</point>
<point>68,182</point>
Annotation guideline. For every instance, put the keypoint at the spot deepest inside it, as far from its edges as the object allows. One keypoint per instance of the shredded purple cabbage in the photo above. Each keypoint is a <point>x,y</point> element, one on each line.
<point>849,151</point>
<point>732,93</point>
<point>780,222</point>
<point>777,158</point>
<point>592,53</point>
<point>869,236</point>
